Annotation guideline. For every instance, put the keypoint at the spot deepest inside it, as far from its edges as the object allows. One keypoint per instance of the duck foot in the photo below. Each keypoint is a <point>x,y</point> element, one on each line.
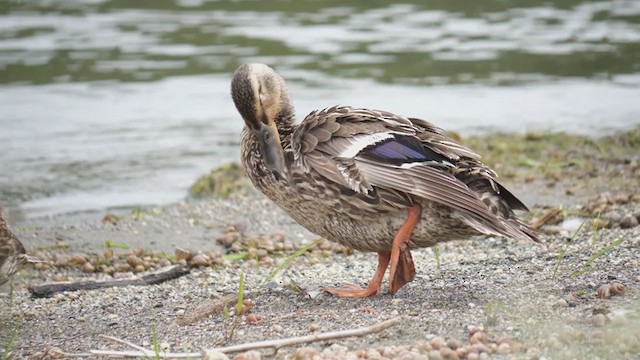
<point>354,291</point>
<point>402,268</point>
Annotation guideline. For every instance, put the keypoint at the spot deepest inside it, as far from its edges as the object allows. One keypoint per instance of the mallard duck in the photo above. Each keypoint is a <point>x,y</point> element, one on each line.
<point>12,254</point>
<point>367,179</point>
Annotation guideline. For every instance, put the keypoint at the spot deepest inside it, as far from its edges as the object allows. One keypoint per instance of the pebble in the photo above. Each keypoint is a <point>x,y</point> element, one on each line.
<point>478,338</point>
<point>200,260</point>
<point>182,254</point>
<point>561,303</point>
<point>214,355</point>
<point>628,221</point>
<point>373,354</point>
<point>437,343</point>
<point>435,355</point>
<point>254,318</point>
<point>306,353</point>
<point>277,328</point>
<point>88,268</point>
<point>617,289</point>
<point>249,355</point>
<point>454,344</point>
<point>504,348</point>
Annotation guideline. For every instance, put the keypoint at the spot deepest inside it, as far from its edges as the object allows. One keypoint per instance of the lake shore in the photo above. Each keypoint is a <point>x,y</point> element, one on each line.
<point>539,300</point>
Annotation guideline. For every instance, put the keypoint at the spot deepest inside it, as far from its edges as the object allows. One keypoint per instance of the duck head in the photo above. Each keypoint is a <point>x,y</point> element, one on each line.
<point>260,95</point>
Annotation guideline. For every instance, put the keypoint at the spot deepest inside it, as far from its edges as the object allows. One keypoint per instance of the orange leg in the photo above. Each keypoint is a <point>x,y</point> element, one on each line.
<point>402,268</point>
<point>353,291</point>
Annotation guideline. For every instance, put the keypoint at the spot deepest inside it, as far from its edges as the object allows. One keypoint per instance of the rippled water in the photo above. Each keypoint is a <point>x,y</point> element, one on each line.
<point>113,104</point>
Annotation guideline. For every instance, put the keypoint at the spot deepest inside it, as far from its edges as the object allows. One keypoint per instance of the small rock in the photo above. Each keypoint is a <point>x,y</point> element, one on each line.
<point>435,355</point>
<point>133,260</point>
<point>88,268</point>
<point>616,289</point>
<point>182,254</point>
<point>373,354</point>
<point>628,221</point>
<point>448,354</point>
<point>200,260</point>
<point>214,355</point>
<point>473,356</point>
<point>277,328</point>
<point>454,344</point>
<point>314,327</point>
<point>598,320</point>
<point>478,337</point>
<point>437,343</point>
<point>561,303</point>
<point>338,349</point>
<point>60,277</point>
<point>554,343</point>
<point>249,355</point>
<point>604,291</point>
<point>424,347</point>
<point>77,259</point>
<point>306,353</point>
<point>504,348</point>
<point>254,318</point>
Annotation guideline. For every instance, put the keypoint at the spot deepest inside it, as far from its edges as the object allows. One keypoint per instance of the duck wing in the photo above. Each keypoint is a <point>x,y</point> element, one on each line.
<point>377,153</point>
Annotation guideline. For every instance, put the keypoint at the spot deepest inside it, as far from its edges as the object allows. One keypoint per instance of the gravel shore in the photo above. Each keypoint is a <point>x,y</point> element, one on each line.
<point>541,300</point>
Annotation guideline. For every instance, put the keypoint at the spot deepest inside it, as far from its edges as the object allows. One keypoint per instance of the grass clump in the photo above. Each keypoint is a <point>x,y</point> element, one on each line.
<point>221,182</point>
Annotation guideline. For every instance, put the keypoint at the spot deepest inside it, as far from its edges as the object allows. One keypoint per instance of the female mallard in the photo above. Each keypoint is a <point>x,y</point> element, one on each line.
<point>12,254</point>
<point>368,179</point>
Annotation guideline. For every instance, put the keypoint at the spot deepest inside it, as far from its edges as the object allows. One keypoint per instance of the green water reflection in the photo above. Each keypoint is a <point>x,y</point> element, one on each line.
<point>418,42</point>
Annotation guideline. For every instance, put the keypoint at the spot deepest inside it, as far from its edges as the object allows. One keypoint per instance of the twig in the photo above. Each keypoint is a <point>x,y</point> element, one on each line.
<point>273,344</point>
<point>278,343</point>
<point>154,277</point>
<point>129,343</point>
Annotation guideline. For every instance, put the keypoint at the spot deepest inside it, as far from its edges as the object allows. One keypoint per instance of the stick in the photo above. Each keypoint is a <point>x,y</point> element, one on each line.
<point>155,277</point>
<point>274,344</point>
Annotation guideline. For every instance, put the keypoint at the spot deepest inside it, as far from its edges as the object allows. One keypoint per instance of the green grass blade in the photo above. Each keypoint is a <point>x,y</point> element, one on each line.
<point>111,244</point>
<point>240,294</point>
<point>288,261</point>
<point>235,256</point>
<point>604,250</point>
<point>436,253</point>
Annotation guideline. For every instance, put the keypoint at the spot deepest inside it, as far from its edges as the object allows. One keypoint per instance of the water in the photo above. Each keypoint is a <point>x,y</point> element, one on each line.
<point>113,104</point>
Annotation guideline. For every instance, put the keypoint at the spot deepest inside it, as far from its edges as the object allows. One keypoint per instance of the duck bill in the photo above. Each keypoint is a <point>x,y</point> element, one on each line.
<point>272,152</point>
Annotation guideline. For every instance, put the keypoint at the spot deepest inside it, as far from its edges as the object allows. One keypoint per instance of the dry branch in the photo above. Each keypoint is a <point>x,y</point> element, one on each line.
<point>155,277</point>
<point>268,344</point>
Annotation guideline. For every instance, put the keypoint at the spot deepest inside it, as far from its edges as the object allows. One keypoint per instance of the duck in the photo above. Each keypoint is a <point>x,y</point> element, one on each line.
<point>13,255</point>
<point>371,180</point>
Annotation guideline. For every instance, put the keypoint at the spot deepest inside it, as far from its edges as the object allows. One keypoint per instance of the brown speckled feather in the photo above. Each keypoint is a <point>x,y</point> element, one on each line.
<point>321,145</point>
<point>12,254</point>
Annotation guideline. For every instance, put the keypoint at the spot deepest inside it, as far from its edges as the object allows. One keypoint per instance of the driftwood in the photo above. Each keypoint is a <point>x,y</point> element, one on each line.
<point>268,344</point>
<point>155,277</point>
